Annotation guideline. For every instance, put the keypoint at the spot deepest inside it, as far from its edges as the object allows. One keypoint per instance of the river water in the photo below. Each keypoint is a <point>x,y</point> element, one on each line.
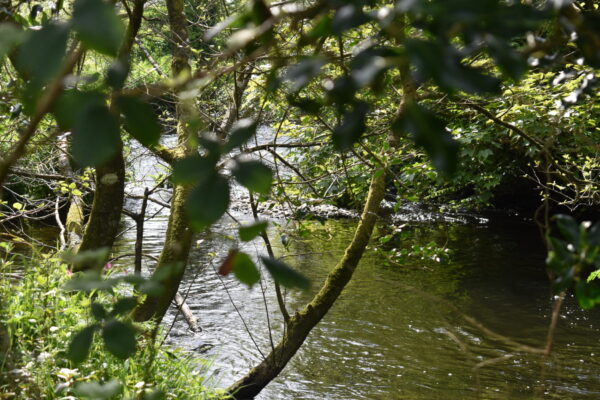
<point>397,331</point>
<point>394,333</point>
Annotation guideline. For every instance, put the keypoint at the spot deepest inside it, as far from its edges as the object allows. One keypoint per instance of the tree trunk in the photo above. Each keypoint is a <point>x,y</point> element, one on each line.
<point>103,224</point>
<point>105,217</point>
<point>75,222</point>
<point>178,240</point>
<point>172,262</point>
<point>305,320</point>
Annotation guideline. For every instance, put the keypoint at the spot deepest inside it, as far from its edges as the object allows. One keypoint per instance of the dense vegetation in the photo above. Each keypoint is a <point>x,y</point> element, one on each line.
<point>458,104</point>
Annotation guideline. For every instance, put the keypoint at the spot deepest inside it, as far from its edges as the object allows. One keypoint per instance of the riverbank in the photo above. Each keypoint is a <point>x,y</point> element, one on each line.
<point>41,318</point>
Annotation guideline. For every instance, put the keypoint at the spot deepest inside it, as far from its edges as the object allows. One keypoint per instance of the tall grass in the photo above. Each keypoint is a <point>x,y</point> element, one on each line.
<point>39,318</point>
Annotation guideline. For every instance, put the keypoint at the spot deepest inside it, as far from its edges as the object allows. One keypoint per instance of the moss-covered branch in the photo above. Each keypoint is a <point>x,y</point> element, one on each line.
<point>305,320</point>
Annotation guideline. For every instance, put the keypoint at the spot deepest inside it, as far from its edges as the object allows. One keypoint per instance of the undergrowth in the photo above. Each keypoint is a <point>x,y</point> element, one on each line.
<point>38,319</point>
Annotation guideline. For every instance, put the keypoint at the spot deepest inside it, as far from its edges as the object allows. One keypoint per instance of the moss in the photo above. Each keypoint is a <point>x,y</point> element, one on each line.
<point>75,219</point>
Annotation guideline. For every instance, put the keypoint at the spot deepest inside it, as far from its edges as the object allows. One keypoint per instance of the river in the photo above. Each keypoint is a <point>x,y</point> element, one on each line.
<point>397,331</point>
<point>394,333</point>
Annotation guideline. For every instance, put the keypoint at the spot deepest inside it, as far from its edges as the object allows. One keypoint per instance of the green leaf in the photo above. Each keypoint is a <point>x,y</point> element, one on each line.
<point>241,132</point>
<point>569,228</point>
<point>151,288</point>
<point>41,55</point>
<point>300,74</point>
<point>343,90</point>
<point>509,60</point>
<point>89,281</point>
<point>442,62</point>
<point>285,275</point>
<point>116,75</point>
<point>10,37</point>
<point>208,202</point>
<point>193,169</point>
<point>351,128</point>
<point>254,175</point>
<point>247,233</point>
<point>368,65</point>
<point>119,338</point>
<point>71,103</point>
<point>245,270</point>
<point>123,306</point>
<point>594,235</point>
<point>141,121</point>
<point>98,311</point>
<point>588,294</point>
<point>98,26</point>
<point>347,17</point>
<point>594,275</point>
<point>79,347</point>
<point>429,132</point>
<point>95,258</point>
<point>95,136</point>
<point>309,106</point>
<point>98,391</point>
<point>321,29</point>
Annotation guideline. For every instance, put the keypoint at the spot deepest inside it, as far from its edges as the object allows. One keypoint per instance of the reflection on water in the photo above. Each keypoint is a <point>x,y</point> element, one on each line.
<point>392,334</point>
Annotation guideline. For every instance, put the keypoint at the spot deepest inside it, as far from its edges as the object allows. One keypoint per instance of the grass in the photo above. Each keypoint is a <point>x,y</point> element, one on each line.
<point>39,319</point>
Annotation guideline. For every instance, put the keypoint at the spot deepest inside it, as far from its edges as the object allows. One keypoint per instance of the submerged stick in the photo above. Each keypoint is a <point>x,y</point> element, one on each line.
<point>187,313</point>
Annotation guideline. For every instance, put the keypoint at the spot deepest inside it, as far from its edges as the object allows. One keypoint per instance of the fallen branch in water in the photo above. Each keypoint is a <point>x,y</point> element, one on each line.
<point>187,313</point>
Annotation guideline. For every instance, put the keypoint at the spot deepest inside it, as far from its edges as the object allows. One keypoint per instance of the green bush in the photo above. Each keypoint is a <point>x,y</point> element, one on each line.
<point>41,318</point>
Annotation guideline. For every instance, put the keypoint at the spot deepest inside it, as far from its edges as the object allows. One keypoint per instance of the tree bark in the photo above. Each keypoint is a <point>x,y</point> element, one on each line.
<point>305,320</point>
<point>174,256</point>
<point>172,261</point>
<point>103,224</point>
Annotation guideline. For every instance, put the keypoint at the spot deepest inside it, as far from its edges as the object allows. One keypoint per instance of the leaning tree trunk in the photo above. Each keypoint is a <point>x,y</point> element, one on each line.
<point>178,241</point>
<point>172,261</point>
<point>305,320</point>
<point>103,224</point>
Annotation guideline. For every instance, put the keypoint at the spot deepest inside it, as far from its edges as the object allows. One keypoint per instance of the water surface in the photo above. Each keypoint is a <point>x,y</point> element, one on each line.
<point>394,332</point>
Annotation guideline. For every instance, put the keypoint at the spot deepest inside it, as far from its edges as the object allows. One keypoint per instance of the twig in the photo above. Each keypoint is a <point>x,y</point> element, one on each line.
<point>44,105</point>
<point>61,235</point>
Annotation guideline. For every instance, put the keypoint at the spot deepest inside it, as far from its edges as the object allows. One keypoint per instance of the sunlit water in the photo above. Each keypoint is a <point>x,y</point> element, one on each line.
<point>397,331</point>
<point>394,333</point>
